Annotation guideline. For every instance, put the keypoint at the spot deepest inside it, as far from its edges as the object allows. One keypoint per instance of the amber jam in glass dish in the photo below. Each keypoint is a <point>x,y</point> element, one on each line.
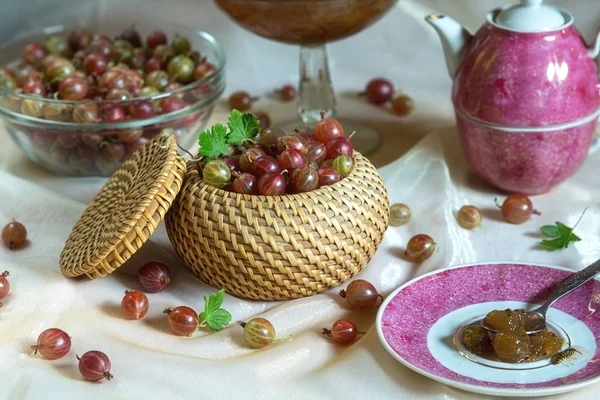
<point>311,24</point>
<point>305,21</point>
<point>510,343</point>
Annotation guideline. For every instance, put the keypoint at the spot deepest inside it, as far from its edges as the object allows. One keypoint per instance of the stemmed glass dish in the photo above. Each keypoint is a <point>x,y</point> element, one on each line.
<point>311,24</point>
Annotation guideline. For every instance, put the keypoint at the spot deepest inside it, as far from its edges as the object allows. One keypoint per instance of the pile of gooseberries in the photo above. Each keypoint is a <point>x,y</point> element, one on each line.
<point>380,91</point>
<point>281,163</point>
<point>93,66</point>
<point>99,79</point>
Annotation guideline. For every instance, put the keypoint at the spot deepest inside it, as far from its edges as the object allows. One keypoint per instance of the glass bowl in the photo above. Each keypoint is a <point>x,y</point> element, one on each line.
<point>51,132</point>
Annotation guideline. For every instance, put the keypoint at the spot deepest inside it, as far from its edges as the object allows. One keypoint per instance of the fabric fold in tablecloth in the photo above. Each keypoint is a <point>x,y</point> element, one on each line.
<point>149,362</point>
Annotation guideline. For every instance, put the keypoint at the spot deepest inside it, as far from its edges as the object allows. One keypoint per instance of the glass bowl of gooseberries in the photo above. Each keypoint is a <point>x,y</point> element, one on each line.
<point>80,99</point>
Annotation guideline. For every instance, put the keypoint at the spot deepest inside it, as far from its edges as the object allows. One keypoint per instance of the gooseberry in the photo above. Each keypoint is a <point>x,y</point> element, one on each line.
<point>95,366</point>
<point>53,344</point>
<point>420,247</point>
<point>154,277</point>
<point>14,235</point>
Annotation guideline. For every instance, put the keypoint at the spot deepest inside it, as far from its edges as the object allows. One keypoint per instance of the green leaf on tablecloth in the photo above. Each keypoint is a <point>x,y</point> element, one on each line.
<point>562,234</point>
<point>551,230</point>
<point>219,319</point>
<point>213,315</point>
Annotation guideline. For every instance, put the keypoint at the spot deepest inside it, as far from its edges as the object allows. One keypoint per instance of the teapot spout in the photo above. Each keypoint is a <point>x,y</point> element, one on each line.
<point>594,49</point>
<point>455,39</point>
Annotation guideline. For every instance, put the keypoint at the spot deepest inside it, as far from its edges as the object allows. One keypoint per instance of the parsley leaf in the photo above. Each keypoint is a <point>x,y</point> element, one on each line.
<point>562,235</point>
<point>213,315</point>
<point>213,141</point>
<point>242,127</point>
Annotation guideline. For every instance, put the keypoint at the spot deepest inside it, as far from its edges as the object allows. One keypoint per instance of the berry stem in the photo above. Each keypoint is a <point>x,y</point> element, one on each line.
<point>242,324</point>
<point>496,201</point>
<point>283,340</point>
<point>536,212</point>
<point>167,311</point>
<point>352,134</point>
<point>195,330</point>
<point>574,226</point>
<point>107,375</point>
<point>323,112</point>
<point>184,150</point>
<point>342,293</point>
<point>326,332</point>
<point>35,349</point>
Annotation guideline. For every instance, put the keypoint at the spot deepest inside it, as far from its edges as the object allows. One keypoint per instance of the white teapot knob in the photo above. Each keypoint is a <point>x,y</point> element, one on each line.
<point>531,2</point>
<point>530,16</point>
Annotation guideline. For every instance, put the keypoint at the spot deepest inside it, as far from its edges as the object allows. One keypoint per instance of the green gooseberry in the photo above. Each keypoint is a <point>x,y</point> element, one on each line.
<point>7,81</point>
<point>343,164</point>
<point>32,108</point>
<point>158,79</point>
<point>181,44</point>
<point>57,45</point>
<point>181,68</point>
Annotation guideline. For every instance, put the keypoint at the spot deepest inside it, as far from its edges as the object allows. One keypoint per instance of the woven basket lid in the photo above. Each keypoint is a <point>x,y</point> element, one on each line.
<point>126,211</point>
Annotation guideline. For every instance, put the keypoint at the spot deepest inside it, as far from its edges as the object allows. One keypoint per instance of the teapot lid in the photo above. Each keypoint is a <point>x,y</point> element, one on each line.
<point>530,16</point>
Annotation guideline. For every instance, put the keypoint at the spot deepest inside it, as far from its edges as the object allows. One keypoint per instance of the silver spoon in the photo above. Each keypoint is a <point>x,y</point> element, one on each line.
<point>536,319</point>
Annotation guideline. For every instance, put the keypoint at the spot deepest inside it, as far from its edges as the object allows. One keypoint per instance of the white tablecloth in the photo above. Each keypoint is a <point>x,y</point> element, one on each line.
<point>148,362</point>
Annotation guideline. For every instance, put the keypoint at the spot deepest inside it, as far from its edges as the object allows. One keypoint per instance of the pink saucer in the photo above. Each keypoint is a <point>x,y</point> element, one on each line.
<point>416,324</point>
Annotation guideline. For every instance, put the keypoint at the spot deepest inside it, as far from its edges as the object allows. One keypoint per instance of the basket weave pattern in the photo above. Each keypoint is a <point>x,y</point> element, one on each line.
<point>279,247</point>
<point>126,211</point>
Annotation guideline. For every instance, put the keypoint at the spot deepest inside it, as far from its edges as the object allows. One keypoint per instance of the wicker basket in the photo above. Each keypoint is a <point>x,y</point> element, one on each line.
<point>279,247</point>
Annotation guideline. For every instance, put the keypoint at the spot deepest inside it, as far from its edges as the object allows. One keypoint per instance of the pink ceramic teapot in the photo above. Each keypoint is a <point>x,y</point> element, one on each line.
<point>525,92</point>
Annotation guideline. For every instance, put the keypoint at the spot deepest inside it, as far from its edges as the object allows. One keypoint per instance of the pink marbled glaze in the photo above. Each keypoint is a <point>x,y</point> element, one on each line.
<point>525,162</point>
<point>526,80</point>
<point>408,316</point>
<point>506,78</point>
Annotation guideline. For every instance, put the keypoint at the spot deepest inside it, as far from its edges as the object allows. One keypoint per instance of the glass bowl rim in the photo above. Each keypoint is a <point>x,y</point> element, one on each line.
<point>221,59</point>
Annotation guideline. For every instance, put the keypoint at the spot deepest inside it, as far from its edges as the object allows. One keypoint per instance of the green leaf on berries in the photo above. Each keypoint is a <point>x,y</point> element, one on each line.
<point>562,235</point>
<point>213,141</point>
<point>213,315</point>
<point>242,127</point>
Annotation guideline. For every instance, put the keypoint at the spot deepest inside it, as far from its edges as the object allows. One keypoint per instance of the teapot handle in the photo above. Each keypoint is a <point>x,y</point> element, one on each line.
<point>594,50</point>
